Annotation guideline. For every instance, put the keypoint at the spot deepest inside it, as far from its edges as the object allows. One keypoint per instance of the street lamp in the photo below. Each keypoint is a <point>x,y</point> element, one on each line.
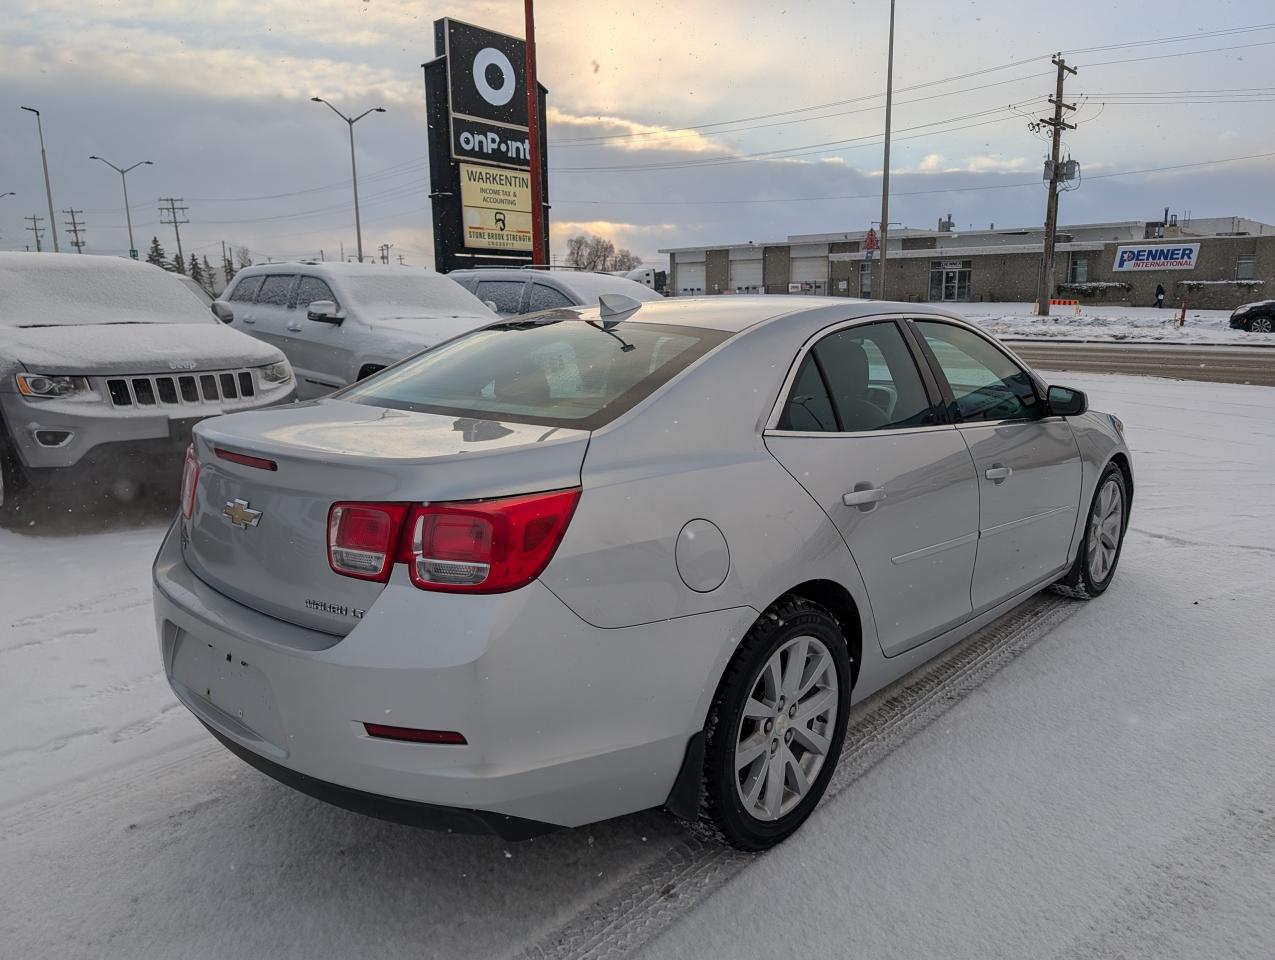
<point>132,248</point>
<point>354,175</point>
<point>48,191</point>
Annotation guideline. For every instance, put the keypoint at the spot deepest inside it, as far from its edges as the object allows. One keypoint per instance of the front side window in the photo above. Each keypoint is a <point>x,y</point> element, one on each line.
<point>311,289</point>
<point>858,379</point>
<point>275,290</point>
<point>546,298</point>
<point>245,290</point>
<point>561,373</point>
<point>986,384</point>
<point>505,294</point>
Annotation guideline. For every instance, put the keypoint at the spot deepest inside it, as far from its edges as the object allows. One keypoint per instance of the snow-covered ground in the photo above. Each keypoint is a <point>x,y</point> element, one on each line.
<point>1108,323</point>
<point>1108,792</point>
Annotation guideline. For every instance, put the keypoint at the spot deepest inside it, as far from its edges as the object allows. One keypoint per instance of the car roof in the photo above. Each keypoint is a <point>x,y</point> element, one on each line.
<point>334,268</point>
<point>585,284</point>
<point>733,313</point>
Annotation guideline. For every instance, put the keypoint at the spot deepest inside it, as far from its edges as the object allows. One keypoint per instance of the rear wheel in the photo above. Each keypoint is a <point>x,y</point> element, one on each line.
<point>776,725</point>
<point>1099,552</point>
<point>1261,325</point>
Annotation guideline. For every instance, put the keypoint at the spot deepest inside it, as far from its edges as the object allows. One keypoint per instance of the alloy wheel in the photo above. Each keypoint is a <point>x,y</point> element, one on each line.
<point>1261,325</point>
<point>786,728</point>
<point>1105,522</point>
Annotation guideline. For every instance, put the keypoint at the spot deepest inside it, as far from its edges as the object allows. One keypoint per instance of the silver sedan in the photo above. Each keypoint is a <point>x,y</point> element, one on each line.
<point>593,561</point>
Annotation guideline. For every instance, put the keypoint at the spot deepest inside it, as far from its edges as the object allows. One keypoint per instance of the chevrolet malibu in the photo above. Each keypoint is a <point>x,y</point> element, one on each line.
<point>593,561</point>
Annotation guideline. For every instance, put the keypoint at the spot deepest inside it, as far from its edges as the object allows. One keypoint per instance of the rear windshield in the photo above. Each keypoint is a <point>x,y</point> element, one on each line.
<point>561,373</point>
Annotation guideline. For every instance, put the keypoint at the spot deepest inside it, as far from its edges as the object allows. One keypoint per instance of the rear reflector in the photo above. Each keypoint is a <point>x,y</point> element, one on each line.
<point>363,538</point>
<point>413,735</point>
<point>190,481</point>
<point>261,463</point>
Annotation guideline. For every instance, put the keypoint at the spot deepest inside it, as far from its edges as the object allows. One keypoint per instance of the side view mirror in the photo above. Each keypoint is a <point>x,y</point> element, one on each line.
<point>324,311</point>
<point>491,305</point>
<point>222,311</point>
<point>1066,402</point>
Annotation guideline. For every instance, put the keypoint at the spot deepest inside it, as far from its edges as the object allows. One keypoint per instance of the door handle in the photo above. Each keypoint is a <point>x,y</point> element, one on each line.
<point>865,497</point>
<point>998,473</point>
<point>294,326</point>
<point>248,319</point>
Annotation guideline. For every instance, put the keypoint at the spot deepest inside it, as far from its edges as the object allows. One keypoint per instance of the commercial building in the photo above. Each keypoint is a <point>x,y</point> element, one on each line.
<point>1216,262</point>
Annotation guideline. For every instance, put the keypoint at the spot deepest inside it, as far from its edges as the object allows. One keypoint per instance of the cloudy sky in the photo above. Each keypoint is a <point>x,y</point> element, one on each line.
<point>670,123</point>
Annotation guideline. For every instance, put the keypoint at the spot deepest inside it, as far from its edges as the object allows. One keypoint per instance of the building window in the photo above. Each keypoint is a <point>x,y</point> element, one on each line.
<point>1246,267</point>
<point>865,278</point>
<point>1079,271</point>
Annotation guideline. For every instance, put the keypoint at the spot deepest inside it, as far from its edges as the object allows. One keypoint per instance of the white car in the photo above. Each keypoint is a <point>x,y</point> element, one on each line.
<point>515,291</point>
<point>341,322</point>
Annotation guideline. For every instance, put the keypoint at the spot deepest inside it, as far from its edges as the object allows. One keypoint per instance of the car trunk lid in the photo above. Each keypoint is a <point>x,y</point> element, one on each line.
<point>258,531</point>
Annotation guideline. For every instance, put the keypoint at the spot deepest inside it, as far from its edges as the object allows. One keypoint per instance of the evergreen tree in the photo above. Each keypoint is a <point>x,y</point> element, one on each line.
<point>176,266</point>
<point>196,272</point>
<point>210,278</point>
<point>156,254</point>
<point>228,267</point>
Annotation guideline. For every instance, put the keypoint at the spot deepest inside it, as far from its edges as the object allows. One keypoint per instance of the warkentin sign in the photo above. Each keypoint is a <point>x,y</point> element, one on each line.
<point>1157,257</point>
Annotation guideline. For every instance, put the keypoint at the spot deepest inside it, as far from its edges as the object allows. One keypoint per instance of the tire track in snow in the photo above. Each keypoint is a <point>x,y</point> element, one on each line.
<point>105,603</point>
<point>656,897</point>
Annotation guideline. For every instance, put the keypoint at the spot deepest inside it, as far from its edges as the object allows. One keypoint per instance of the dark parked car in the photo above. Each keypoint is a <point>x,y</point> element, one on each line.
<point>1256,317</point>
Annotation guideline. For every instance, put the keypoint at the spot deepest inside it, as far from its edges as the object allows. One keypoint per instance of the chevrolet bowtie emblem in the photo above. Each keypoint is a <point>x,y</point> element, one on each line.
<point>240,514</point>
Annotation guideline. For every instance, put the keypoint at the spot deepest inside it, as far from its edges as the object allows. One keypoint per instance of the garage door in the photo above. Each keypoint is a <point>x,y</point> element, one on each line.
<point>746,275</point>
<point>810,270</point>
<point>690,279</point>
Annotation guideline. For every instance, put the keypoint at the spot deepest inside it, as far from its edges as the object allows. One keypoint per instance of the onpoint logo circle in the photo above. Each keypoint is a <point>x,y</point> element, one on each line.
<point>491,57</point>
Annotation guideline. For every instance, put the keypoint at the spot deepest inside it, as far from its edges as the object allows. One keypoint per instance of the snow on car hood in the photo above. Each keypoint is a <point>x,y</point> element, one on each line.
<point>106,348</point>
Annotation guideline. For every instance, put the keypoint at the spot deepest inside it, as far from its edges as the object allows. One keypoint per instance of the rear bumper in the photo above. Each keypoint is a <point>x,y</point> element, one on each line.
<point>565,723</point>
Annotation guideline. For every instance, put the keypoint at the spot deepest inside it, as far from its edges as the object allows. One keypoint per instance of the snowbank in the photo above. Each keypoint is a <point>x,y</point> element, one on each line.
<point>1018,321</point>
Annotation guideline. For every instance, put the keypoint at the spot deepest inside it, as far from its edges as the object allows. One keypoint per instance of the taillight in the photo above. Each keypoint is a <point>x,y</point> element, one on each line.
<point>190,480</point>
<point>363,538</point>
<point>489,546</point>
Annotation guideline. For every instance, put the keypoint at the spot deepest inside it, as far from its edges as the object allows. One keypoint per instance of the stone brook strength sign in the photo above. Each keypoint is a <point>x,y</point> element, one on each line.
<point>480,171</point>
<point>1157,256</point>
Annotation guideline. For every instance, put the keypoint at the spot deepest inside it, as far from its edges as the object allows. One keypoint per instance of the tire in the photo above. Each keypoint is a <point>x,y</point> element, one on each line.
<point>1099,553</point>
<point>767,760</point>
<point>1260,325</point>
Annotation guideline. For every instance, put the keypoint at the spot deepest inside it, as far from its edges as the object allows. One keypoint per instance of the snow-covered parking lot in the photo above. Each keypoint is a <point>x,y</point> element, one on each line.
<point>1108,322</point>
<point>1083,781</point>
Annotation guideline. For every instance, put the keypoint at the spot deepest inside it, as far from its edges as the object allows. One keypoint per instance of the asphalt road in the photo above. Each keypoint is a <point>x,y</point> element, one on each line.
<point>1255,365</point>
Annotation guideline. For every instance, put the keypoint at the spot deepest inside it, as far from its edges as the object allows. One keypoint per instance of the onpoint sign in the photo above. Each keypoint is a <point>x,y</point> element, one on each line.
<point>1157,256</point>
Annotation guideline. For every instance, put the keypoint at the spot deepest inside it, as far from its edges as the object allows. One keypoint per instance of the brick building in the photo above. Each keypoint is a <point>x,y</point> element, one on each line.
<point>1216,262</point>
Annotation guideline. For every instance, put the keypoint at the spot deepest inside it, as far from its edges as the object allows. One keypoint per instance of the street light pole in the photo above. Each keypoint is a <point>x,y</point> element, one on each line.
<point>885,168</point>
<point>44,160</point>
<point>128,216</point>
<point>354,173</point>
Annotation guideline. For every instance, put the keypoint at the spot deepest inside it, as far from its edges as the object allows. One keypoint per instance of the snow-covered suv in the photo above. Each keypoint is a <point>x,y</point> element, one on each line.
<point>341,322</point>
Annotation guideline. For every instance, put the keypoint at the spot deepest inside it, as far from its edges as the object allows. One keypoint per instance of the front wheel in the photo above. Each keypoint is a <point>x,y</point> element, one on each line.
<point>776,725</point>
<point>1099,553</point>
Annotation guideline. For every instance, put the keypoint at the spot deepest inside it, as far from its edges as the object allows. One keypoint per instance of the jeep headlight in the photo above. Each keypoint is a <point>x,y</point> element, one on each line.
<point>276,373</point>
<point>45,387</point>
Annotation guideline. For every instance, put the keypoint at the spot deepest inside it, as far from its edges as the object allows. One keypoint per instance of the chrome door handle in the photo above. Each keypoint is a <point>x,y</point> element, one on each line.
<point>865,498</point>
<point>247,319</point>
<point>294,327</point>
<point>998,473</point>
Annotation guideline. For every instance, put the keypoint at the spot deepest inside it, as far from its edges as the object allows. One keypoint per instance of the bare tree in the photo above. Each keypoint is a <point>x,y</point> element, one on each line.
<point>588,252</point>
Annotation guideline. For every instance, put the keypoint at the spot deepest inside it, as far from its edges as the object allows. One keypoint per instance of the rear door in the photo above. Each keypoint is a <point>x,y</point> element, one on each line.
<point>319,351</point>
<point>1028,464</point>
<point>863,431</point>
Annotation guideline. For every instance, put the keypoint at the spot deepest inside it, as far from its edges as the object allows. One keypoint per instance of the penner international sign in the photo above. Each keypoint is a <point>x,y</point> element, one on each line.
<point>1156,256</point>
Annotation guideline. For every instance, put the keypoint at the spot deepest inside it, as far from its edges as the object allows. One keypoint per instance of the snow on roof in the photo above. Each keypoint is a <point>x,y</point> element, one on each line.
<point>54,289</point>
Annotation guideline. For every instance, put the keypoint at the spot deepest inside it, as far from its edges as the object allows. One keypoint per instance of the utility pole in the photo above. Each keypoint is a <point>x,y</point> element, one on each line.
<point>36,229</point>
<point>385,252</point>
<point>44,160</point>
<point>1051,210</point>
<point>879,294</point>
<point>176,216</point>
<point>539,256</point>
<point>76,227</point>
<point>400,260</point>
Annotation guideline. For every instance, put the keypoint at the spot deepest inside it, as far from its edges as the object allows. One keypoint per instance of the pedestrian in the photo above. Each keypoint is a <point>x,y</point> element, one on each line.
<point>1159,295</point>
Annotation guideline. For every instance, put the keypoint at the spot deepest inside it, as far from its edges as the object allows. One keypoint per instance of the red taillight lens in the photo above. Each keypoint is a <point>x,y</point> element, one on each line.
<point>190,480</point>
<point>413,735</point>
<point>363,538</point>
<point>487,547</point>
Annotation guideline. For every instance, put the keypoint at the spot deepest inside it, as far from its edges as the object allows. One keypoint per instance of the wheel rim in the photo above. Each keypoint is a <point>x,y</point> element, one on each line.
<point>1105,523</point>
<point>786,729</point>
<point>1260,325</point>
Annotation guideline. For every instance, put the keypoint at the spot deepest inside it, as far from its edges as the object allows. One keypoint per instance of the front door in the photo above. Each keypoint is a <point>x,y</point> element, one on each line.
<point>861,432</point>
<point>318,349</point>
<point>1028,464</point>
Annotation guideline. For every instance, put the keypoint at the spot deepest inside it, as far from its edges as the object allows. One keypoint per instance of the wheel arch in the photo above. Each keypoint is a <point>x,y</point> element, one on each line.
<point>1122,462</point>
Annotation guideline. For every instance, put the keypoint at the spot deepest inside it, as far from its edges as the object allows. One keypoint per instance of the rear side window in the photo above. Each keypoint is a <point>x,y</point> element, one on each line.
<point>562,373</point>
<point>986,384</point>
<point>245,290</point>
<point>275,290</point>
<point>505,294</point>
<point>311,289</point>
<point>546,298</point>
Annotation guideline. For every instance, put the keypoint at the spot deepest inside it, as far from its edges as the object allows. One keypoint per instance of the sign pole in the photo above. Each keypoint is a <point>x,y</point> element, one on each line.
<point>539,255</point>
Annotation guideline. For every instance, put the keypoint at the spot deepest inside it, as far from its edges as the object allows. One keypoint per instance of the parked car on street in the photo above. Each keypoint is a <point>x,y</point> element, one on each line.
<point>341,322</point>
<point>577,565</point>
<point>1256,317</point>
<point>105,364</point>
<point>514,291</point>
